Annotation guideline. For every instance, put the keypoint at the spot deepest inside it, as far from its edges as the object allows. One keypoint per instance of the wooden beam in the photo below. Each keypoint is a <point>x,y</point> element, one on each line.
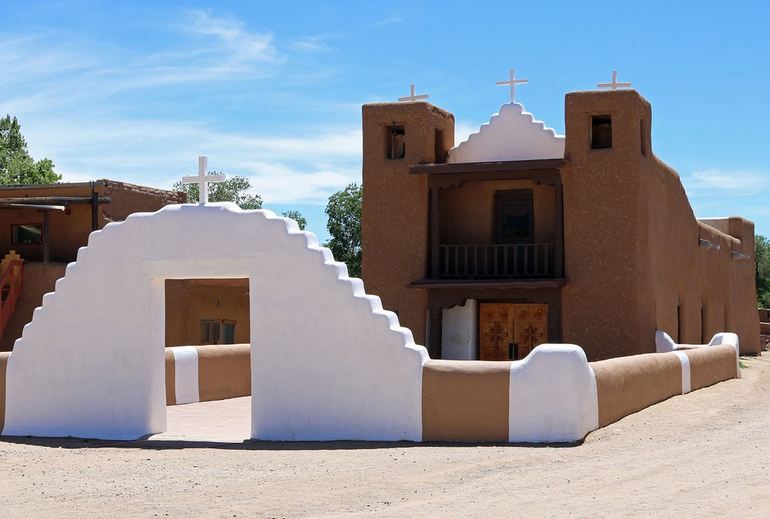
<point>488,283</point>
<point>485,167</point>
<point>55,200</point>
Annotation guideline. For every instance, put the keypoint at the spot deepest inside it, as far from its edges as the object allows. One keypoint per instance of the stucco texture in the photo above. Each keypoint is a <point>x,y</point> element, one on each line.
<point>327,361</point>
<point>398,230</point>
<point>632,251</point>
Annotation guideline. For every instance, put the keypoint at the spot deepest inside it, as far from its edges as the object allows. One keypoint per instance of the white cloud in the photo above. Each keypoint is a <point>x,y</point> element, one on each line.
<point>736,182</point>
<point>463,131</point>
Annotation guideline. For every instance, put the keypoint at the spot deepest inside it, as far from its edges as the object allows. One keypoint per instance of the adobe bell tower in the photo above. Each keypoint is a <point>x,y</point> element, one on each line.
<point>394,217</point>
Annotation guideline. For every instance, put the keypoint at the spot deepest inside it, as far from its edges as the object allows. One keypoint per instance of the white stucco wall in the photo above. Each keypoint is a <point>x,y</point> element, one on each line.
<point>458,332</point>
<point>511,134</point>
<point>553,396</point>
<point>328,362</point>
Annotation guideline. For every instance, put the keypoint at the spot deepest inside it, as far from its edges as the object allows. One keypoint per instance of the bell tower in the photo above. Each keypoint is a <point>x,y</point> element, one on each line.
<point>394,217</point>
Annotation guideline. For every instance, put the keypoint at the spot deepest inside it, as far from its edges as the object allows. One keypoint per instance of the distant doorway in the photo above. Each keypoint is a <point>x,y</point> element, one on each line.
<point>207,311</point>
<point>509,331</point>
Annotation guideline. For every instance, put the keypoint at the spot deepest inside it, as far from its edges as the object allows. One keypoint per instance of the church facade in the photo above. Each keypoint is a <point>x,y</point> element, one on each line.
<point>519,236</point>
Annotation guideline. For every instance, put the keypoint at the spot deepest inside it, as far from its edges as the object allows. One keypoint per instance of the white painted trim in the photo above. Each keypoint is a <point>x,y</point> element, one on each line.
<point>685,361</point>
<point>186,374</point>
<point>552,396</point>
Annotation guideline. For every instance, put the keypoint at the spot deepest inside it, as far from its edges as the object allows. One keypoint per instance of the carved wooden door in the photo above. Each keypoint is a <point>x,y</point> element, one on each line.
<point>530,323</point>
<point>495,331</point>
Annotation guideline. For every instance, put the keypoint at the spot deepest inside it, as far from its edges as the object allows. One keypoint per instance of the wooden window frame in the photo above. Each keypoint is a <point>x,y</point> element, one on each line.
<point>36,224</point>
<point>523,196</point>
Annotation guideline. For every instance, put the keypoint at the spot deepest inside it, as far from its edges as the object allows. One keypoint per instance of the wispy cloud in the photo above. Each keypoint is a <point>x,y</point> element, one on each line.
<point>734,183</point>
<point>93,109</point>
<point>388,20</point>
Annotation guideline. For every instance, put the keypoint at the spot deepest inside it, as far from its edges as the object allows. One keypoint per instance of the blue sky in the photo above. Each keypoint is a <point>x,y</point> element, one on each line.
<point>136,91</point>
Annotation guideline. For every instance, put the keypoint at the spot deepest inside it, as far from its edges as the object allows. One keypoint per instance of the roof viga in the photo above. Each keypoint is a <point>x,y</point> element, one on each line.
<point>511,134</point>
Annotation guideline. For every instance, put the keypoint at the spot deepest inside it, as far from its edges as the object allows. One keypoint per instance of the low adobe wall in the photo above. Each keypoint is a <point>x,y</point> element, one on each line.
<point>626,385</point>
<point>553,395</point>
<point>550,396</point>
<point>203,373</point>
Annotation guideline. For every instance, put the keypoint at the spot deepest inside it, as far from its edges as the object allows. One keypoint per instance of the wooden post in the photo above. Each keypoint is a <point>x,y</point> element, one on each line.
<point>436,317</point>
<point>94,209</point>
<point>46,245</point>
<point>558,225</point>
<point>435,238</point>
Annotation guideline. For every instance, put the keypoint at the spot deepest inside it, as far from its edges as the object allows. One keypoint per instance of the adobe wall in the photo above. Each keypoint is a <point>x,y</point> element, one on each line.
<point>468,211</point>
<point>217,372</point>
<point>68,231</point>
<point>190,301</point>
<point>394,219</point>
<point>602,307</point>
<point>39,279</point>
<point>632,250</point>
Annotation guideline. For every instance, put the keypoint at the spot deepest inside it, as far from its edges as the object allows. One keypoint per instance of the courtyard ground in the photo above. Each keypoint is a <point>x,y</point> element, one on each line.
<point>702,454</point>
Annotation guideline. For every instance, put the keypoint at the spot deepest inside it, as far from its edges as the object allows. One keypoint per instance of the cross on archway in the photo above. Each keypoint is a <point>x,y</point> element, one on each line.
<point>512,82</point>
<point>412,97</point>
<point>202,179</point>
<point>614,84</point>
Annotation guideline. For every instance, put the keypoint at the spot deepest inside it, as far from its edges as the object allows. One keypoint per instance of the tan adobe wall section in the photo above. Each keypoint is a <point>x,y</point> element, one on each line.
<point>465,401</point>
<point>633,254</point>
<point>221,371</point>
<point>188,301</point>
<point>468,211</point>
<point>395,204</point>
<point>626,385</point>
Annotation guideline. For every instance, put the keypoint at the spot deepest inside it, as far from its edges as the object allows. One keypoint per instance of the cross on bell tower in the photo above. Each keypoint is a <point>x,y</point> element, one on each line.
<point>412,97</point>
<point>202,179</point>
<point>512,82</point>
<point>614,84</point>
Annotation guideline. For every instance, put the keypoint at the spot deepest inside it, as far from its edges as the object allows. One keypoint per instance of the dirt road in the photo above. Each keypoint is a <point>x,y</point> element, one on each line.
<point>702,454</point>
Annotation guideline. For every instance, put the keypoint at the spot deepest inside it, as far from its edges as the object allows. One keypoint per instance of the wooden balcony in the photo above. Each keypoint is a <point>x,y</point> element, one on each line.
<point>497,261</point>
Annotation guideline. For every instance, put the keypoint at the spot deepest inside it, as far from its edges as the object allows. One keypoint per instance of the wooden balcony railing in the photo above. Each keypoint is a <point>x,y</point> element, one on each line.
<point>521,260</point>
<point>10,290</point>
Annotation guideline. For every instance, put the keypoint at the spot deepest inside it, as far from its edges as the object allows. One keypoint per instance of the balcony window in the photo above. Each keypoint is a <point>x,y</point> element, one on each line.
<point>514,220</point>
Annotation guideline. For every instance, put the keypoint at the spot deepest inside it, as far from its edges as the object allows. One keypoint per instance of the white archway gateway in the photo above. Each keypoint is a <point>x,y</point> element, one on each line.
<point>327,361</point>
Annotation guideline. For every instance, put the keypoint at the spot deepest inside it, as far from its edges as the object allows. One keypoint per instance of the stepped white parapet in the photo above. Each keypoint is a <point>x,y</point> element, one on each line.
<point>327,360</point>
<point>511,134</point>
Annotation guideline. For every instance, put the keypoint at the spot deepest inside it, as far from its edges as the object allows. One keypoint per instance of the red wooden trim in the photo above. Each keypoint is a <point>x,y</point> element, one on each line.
<point>11,280</point>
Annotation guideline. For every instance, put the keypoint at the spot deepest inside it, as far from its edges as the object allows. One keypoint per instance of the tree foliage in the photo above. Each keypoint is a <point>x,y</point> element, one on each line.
<point>16,166</point>
<point>344,226</point>
<point>297,217</point>
<point>762,257</point>
<point>233,189</point>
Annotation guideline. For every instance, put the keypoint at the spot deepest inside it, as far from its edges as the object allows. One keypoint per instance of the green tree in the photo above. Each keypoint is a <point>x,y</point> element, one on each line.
<point>762,257</point>
<point>344,226</point>
<point>233,189</point>
<point>297,217</point>
<point>16,166</point>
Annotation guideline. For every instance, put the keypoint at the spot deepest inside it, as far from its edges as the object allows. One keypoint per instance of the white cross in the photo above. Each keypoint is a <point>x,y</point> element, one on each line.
<point>513,82</point>
<point>202,179</point>
<point>411,98</point>
<point>614,84</point>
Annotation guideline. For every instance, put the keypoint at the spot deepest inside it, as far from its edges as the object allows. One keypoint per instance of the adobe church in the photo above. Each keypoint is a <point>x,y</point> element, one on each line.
<point>519,236</point>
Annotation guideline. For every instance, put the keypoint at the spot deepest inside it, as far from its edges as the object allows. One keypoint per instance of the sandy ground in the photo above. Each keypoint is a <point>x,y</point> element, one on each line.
<point>702,454</point>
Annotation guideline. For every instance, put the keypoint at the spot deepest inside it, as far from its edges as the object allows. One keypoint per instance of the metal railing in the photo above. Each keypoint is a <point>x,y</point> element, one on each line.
<point>520,260</point>
<point>10,290</point>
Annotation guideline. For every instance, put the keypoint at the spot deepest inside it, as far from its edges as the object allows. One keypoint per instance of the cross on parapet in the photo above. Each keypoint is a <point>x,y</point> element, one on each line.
<point>614,85</point>
<point>202,179</point>
<point>412,97</point>
<point>512,82</point>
